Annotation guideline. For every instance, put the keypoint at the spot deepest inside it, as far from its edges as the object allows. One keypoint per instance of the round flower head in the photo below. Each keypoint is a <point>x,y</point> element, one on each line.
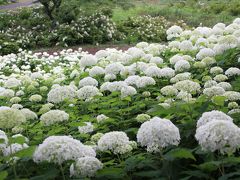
<point>233,71</point>
<point>88,60</point>
<point>182,65</point>
<point>213,91</point>
<point>219,135</point>
<point>35,98</point>
<point>169,91</point>
<point>10,118</point>
<point>30,115</point>
<point>101,118</point>
<point>128,91</point>
<point>58,149</point>
<point>12,83</point>
<point>59,94</point>
<point>85,167</point>
<point>88,81</point>
<point>213,115</point>
<point>87,92</point>
<point>157,134</point>
<point>188,86</point>
<point>88,128</point>
<point>142,117</point>
<point>53,116</point>
<point>115,141</point>
<point>232,95</point>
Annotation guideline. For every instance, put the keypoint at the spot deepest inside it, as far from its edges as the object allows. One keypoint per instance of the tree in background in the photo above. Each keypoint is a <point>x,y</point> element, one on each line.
<point>51,6</point>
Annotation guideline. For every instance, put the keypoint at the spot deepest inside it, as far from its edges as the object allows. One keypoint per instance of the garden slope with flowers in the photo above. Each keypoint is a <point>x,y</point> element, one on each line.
<point>151,112</point>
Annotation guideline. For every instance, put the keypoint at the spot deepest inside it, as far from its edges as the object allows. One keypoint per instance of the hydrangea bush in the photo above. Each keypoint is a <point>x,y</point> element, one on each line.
<point>168,111</point>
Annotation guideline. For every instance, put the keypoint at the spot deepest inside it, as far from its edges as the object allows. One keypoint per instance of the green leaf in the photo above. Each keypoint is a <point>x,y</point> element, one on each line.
<point>181,153</point>
<point>110,173</point>
<point>76,124</point>
<point>148,174</point>
<point>18,140</point>
<point>28,152</point>
<point>219,100</point>
<point>51,173</point>
<point>3,175</point>
<point>230,175</point>
<point>209,166</point>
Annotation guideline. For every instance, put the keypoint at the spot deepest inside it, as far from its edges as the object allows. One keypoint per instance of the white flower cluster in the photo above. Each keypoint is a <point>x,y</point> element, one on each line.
<point>54,116</point>
<point>85,167</point>
<point>58,149</point>
<point>86,129</point>
<point>116,141</point>
<point>216,131</point>
<point>59,94</point>
<point>157,134</point>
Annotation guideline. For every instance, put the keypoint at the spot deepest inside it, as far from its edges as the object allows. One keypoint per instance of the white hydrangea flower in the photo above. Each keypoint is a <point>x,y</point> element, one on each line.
<point>216,70</point>
<point>167,73</point>
<point>213,91</point>
<point>128,91</point>
<point>181,77</point>
<point>205,52</point>
<point>35,98</point>
<point>213,115</point>
<point>174,59</point>
<point>220,78</point>
<point>14,148</point>
<point>157,134</point>
<point>210,83</point>
<point>88,128</point>
<point>174,32</point>
<point>10,118</point>
<point>58,149</point>
<point>188,86</point>
<point>232,95</point>
<point>30,115</point>
<point>7,93</point>
<point>115,141</point>
<point>218,135</point>
<point>225,85</point>
<point>88,81</point>
<point>114,68</point>
<point>186,45</point>
<point>182,65</point>
<point>96,71</point>
<point>169,91</point>
<point>184,96</point>
<point>87,92</point>
<point>233,71</point>
<point>85,167</point>
<point>61,93</point>
<point>12,83</point>
<point>143,117</point>
<point>88,60</point>
<point>101,118</point>
<point>156,60</point>
<point>54,116</point>
<point>145,81</point>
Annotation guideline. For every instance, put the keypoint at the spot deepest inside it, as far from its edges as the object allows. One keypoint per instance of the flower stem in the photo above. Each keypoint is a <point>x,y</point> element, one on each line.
<point>62,172</point>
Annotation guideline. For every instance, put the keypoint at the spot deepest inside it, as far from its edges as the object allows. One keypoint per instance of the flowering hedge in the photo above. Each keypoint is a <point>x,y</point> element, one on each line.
<point>31,29</point>
<point>153,111</point>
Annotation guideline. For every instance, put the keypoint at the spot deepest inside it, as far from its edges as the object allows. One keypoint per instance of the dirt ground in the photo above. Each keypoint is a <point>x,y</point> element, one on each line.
<point>89,48</point>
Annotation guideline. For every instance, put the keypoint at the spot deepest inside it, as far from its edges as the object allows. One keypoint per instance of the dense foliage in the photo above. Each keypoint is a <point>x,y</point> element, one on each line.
<point>74,24</point>
<point>154,111</point>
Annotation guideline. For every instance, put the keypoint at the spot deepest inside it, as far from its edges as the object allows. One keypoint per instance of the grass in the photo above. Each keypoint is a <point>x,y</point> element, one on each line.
<point>173,10</point>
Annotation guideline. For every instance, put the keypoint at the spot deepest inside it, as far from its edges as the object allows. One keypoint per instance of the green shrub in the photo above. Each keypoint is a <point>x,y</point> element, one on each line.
<point>8,47</point>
